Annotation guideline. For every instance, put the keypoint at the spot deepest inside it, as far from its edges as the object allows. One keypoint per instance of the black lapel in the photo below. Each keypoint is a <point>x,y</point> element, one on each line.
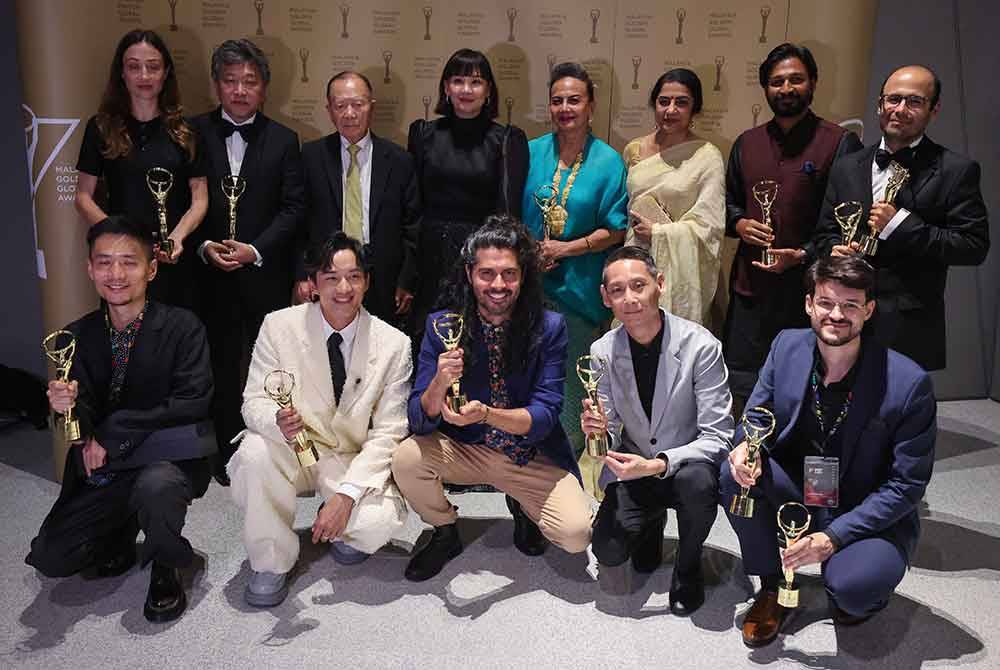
<point>867,394</point>
<point>381,167</point>
<point>253,157</point>
<point>865,178</point>
<point>143,356</point>
<point>925,165</point>
<point>331,160</point>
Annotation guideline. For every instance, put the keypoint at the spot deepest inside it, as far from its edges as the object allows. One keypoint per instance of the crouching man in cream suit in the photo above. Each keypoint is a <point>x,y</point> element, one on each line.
<point>352,378</point>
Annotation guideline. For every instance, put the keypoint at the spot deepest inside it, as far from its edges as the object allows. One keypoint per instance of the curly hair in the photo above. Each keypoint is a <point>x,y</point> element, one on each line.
<point>115,105</point>
<point>500,231</point>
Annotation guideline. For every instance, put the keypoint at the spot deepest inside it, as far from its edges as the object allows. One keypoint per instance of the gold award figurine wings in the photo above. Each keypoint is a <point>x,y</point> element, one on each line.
<point>788,595</point>
<point>278,385</point>
<point>545,197</point>
<point>160,181</point>
<point>233,187</point>
<point>848,215</point>
<point>742,504</point>
<point>900,175</point>
<point>59,347</point>
<point>765,192</point>
<point>448,327</point>
<point>591,370</point>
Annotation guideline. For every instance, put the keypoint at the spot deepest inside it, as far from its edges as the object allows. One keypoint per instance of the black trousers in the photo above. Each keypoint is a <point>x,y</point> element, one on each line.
<point>88,524</point>
<point>630,507</point>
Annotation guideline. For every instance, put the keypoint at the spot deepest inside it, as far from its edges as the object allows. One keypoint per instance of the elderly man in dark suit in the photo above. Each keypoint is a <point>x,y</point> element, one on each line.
<point>141,389</point>
<point>249,274</point>
<point>855,429</point>
<point>366,186</point>
<point>938,218</point>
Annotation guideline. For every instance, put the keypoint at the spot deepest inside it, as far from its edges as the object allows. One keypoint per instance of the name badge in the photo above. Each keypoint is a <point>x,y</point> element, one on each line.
<point>821,481</point>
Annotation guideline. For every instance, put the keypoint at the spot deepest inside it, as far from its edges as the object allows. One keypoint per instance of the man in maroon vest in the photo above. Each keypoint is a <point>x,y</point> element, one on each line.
<point>795,149</point>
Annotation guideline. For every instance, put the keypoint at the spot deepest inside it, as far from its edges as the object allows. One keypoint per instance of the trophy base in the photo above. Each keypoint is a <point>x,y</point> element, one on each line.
<point>72,430</point>
<point>741,506</point>
<point>788,595</point>
<point>455,402</point>
<point>766,257</point>
<point>597,446</point>
<point>868,245</point>
<point>308,455</point>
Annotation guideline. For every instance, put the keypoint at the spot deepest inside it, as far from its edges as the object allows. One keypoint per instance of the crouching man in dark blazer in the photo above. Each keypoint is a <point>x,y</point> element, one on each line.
<point>142,390</point>
<point>855,429</point>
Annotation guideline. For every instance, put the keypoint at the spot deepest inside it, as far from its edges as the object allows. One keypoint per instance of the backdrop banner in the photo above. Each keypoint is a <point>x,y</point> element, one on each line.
<point>65,48</point>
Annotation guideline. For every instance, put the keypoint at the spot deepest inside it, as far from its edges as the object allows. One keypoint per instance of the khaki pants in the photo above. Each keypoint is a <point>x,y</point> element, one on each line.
<point>266,479</point>
<point>549,495</point>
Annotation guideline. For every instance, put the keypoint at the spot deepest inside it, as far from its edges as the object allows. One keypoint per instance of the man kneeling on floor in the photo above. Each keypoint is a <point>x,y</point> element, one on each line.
<point>351,380</point>
<point>665,408</point>
<point>141,390</point>
<point>510,364</point>
<point>855,426</point>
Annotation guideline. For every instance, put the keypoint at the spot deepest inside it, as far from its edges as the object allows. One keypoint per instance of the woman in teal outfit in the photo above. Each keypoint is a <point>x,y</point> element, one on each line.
<point>579,182</point>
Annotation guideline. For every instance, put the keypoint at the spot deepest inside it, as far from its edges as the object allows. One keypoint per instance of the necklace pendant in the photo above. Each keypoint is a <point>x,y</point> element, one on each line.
<point>555,220</point>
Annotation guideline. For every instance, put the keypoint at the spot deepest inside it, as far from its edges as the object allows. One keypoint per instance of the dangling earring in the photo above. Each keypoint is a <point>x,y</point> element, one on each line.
<point>487,101</point>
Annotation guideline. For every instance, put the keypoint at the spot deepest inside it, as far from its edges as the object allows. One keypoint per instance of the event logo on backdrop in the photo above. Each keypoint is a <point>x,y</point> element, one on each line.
<point>259,6</point>
<point>173,15</point>
<point>345,11</point>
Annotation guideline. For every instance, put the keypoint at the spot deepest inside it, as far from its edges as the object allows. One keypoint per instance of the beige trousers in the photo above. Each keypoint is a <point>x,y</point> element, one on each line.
<point>266,479</point>
<point>549,495</point>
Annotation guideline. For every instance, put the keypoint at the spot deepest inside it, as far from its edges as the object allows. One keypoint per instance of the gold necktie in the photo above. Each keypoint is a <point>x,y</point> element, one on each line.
<point>353,210</point>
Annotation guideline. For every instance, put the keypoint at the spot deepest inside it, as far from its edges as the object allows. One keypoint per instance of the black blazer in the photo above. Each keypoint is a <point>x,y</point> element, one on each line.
<point>268,215</point>
<point>393,213</point>
<point>947,226</point>
<point>168,382</point>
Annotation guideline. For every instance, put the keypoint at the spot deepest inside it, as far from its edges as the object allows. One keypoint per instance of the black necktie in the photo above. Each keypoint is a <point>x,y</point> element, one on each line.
<point>226,129</point>
<point>904,157</point>
<point>337,369</point>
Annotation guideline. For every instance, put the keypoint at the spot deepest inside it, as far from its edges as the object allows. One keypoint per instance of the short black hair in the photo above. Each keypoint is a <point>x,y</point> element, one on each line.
<point>344,74</point>
<point>465,63</point>
<point>686,78</point>
<point>319,256</point>
<point>783,51</point>
<point>630,254</point>
<point>574,70</point>
<point>119,224</point>
<point>851,271</point>
<point>237,52</point>
<point>935,96</point>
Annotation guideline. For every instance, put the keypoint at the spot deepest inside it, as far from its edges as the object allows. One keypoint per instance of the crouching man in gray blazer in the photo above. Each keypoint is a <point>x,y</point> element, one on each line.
<point>665,404</point>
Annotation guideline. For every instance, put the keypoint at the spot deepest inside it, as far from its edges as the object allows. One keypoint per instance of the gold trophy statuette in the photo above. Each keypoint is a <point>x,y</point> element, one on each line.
<point>160,181</point>
<point>591,370</point>
<point>233,186</point>
<point>765,192</point>
<point>59,347</point>
<point>448,327</point>
<point>900,175</point>
<point>742,504</point>
<point>848,215</point>
<point>278,385</point>
<point>788,595</point>
<point>545,197</point>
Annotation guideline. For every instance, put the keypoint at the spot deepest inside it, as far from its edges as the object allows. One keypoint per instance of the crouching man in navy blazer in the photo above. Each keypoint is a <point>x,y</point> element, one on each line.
<point>839,398</point>
<point>666,403</point>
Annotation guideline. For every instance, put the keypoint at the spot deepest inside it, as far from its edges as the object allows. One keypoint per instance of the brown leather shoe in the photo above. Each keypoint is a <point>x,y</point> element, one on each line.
<point>764,619</point>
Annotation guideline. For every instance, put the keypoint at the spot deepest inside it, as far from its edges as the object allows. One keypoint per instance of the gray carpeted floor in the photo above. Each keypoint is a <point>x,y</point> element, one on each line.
<point>493,607</point>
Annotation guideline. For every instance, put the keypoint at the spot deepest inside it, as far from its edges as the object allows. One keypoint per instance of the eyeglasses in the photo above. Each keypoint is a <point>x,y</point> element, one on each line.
<point>848,308</point>
<point>912,101</point>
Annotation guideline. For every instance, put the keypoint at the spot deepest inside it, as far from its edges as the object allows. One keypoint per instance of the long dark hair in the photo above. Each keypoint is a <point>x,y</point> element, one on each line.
<point>500,231</point>
<point>116,108</point>
<point>465,63</point>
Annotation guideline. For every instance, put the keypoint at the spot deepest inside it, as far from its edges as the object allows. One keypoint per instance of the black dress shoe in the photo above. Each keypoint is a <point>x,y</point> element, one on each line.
<point>222,477</point>
<point>166,599</point>
<point>647,555</point>
<point>686,594</point>
<point>527,537</point>
<point>118,564</point>
<point>444,545</point>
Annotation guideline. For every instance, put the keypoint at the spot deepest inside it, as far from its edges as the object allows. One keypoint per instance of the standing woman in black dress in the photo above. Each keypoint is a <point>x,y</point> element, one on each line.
<point>139,126</point>
<point>469,167</point>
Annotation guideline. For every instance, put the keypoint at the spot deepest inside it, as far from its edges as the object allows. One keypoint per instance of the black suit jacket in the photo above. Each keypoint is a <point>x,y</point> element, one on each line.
<point>393,214</point>
<point>268,215</point>
<point>947,225</point>
<point>168,383</point>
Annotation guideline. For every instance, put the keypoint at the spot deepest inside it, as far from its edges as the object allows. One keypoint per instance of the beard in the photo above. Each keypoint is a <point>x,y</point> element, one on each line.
<point>839,337</point>
<point>790,104</point>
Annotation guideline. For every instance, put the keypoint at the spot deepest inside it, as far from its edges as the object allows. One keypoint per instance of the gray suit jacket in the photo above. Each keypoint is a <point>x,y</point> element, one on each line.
<point>691,403</point>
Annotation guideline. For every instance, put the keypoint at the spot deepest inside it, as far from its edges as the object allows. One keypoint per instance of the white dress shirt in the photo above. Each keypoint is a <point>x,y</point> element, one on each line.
<point>350,490</point>
<point>365,165</point>
<point>880,178</point>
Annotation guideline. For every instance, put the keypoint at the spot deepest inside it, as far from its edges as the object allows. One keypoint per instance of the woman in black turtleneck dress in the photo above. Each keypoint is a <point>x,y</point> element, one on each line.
<point>469,167</point>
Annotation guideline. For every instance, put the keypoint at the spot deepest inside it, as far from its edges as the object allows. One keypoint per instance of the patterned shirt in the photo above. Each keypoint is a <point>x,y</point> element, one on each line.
<point>509,444</point>
<point>122,342</point>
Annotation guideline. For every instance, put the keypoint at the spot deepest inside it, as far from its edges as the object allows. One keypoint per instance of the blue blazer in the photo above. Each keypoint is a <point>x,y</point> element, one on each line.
<point>538,388</point>
<point>887,452</point>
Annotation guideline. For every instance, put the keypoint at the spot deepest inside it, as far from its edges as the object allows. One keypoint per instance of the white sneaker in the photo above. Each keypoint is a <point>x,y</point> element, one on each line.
<point>266,589</point>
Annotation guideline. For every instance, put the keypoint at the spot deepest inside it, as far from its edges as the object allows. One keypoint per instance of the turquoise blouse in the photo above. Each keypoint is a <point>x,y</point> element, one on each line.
<point>598,200</point>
